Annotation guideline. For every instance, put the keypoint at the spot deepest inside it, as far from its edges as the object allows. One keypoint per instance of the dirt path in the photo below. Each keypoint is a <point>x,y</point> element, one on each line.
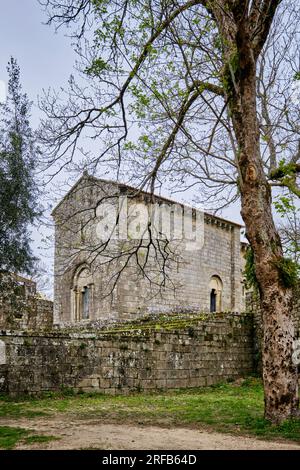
<point>85,434</point>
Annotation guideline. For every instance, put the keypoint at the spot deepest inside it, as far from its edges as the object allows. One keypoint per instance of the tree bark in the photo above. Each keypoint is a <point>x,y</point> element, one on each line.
<point>279,372</point>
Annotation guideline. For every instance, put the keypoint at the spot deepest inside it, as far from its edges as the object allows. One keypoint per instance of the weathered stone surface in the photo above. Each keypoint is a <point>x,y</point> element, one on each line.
<point>191,273</point>
<point>2,353</point>
<point>110,362</point>
<point>35,313</point>
<point>21,307</point>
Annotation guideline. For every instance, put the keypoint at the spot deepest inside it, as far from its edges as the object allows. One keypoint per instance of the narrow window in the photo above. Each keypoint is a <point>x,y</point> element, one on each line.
<point>215,294</point>
<point>85,302</point>
<point>82,294</point>
<point>213,300</point>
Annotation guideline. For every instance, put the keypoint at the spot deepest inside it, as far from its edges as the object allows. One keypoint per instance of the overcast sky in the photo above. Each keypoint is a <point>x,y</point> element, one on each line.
<point>46,60</point>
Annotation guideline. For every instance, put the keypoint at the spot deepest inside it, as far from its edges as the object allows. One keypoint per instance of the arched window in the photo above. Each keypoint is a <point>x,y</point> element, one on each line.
<point>85,302</point>
<point>213,300</point>
<point>82,293</point>
<point>215,292</point>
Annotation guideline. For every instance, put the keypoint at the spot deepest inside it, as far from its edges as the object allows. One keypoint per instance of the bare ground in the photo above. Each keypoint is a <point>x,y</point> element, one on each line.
<point>88,434</point>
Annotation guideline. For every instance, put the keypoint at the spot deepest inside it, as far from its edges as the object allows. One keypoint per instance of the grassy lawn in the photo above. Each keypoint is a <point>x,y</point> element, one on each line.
<point>231,408</point>
<point>10,436</point>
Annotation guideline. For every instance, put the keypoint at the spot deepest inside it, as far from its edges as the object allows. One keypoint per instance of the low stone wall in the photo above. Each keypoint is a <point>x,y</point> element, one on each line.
<point>171,354</point>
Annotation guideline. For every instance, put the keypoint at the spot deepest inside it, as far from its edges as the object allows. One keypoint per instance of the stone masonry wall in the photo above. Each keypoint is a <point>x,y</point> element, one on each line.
<point>189,272</point>
<point>33,312</point>
<point>41,315</point>
<point>200,351</point>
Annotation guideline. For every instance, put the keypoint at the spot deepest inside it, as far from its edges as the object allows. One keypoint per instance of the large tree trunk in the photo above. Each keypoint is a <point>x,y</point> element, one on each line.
<point>279,372</point>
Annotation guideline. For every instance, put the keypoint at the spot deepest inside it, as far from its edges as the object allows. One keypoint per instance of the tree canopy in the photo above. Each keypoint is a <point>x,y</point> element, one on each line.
<point>204,94</point>
<point>18,189</point>
<point>156,89</point>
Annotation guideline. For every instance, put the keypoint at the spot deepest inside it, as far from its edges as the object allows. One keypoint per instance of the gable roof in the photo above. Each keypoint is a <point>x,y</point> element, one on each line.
<point>86,176</point>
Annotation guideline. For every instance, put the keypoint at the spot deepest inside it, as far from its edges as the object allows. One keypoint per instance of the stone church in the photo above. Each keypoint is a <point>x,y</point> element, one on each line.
<point>101,275</point>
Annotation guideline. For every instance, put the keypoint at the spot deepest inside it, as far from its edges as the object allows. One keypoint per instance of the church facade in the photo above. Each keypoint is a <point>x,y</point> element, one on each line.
<point>111,263</point>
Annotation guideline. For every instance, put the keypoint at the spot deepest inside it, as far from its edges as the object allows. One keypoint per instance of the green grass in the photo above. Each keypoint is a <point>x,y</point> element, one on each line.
<point>235,408</point>
<point>35,438</point>
<point>10,436</point>
<point>18,410</point>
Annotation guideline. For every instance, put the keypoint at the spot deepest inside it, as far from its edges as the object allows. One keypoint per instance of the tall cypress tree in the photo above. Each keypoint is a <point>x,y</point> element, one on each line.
<point>18,190</point>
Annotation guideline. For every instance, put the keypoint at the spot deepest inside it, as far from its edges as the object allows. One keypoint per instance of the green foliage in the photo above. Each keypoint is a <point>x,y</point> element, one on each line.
<point>96,67</point>
<point>129,145</point>
<point>284,204</point>
<point>230,71</point>
<point>285,169</point>
<point>18,190</point>
<point>286,173</point>
<point>287,207</point>
<point>250,275</point>
<point>142,101</point>
<point>67,391</point>
<point>100,6</point>
<point>145,140</point>
<point>288,271</point>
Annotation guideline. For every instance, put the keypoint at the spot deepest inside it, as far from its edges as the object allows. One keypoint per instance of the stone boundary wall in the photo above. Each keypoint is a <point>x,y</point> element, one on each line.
<point>173,354</point>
